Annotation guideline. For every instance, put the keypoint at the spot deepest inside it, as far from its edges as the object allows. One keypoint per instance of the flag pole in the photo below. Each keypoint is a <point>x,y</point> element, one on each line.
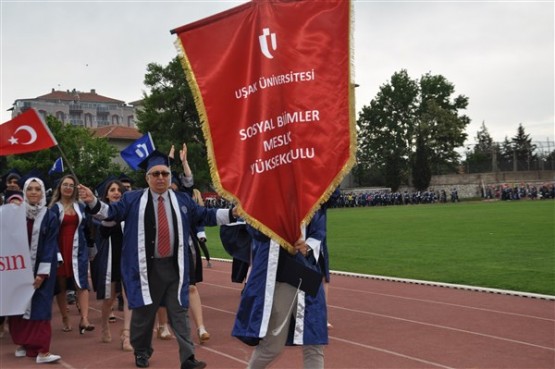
<point>66,161</point>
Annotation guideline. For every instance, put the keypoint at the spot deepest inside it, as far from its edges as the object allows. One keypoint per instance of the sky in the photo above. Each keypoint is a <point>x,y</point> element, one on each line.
<point>499,54</point>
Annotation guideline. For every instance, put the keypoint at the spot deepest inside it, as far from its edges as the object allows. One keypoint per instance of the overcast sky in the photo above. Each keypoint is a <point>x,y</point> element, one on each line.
<point>499,54</point>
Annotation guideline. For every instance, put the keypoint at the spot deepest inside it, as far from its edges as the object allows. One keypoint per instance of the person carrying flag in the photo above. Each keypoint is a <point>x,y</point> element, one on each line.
<point>283,301</point>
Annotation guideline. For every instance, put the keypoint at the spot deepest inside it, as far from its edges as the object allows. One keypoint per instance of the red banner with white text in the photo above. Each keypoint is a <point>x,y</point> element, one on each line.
<point>25,133</point>
<point>272,84</point>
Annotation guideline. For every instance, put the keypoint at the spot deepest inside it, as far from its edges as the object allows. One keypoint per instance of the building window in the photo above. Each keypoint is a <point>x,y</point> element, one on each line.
<point>61,116</point>
<point>88,120</point>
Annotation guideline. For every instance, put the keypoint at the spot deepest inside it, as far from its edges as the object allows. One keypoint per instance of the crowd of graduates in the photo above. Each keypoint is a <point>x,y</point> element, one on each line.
<point>82,249</point>
<point>349,199</point>
<point>519,192</point>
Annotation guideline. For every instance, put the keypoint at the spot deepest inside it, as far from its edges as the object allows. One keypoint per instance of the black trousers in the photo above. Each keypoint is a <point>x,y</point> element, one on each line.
<point>164,284</point>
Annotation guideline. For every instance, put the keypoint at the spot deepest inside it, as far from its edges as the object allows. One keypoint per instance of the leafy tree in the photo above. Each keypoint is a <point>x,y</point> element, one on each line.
<point>421,171</point>
<point>445,127</point>
<point>169,114</point>
<point>90,157</point>
<point>403,109</point>
<point>386,129</point>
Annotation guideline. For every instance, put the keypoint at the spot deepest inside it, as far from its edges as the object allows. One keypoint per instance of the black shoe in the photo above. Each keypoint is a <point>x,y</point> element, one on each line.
<point>141,361</point>
<point>192,363</point>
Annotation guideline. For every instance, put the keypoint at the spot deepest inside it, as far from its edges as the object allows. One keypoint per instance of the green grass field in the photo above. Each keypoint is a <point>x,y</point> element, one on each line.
<point>507,245</point>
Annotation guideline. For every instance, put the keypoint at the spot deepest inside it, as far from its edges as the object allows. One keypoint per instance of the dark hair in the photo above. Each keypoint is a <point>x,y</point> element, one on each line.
<point>12,176</point>
<point>107,188</point>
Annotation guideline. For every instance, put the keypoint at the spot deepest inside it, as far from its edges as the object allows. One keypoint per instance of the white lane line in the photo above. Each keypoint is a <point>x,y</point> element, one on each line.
<point>446,285</point>
<point>66,365</point>
<point>222,354</point>
<point>444,303</point>
<point>391,352</point>
<point>445,327</point>
<point>218,309</point>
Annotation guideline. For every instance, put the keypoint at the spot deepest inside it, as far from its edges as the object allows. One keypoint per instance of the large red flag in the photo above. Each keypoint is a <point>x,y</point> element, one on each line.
<point>273,88</point>
<point>25,133</point>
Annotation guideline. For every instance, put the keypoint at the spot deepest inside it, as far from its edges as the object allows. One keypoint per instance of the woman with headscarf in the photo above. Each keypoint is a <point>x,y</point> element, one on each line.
<point>73,243</point>
<point>32,331</point>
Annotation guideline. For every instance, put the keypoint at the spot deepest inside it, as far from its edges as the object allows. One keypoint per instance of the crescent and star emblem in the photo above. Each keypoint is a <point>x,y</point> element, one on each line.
<point>13,140</point>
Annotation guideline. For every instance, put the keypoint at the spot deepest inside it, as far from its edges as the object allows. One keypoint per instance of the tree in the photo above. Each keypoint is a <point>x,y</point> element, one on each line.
<point>444,126</point>
<point>169,114</point>
<point>507,156</point>
<point>523,149</point>
<point>483,156</point>
<point>90,157</point>
<point>386,129</point>
<point>403,110</point>
<point>421,171</point>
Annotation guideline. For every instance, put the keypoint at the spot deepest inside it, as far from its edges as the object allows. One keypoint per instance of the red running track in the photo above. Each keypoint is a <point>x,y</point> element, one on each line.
<point>377,324</point>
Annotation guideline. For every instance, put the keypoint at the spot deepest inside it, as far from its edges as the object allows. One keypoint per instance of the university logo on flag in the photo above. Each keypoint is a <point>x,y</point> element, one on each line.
<point>272,84</point>
<point>25,133</point>
<point>57,167</point>
<point>135,153</point>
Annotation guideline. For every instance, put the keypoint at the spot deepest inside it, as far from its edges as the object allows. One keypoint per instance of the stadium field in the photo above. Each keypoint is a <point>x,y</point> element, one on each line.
<point>506,245</point>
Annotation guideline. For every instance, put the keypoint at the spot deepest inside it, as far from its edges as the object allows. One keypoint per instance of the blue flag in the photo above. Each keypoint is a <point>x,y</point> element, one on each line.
<point>135,153</point>
<point>57,167</point>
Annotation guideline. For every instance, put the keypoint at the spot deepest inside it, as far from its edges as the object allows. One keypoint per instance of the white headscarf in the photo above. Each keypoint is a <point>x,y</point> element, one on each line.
<point>33,210</point>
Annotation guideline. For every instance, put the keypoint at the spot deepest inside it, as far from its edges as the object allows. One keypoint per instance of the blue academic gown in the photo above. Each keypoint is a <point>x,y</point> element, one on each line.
<point>43,248</point>
<point>139,235</point>
<point>309,326</point>
<point>102,263</point>
<point>80,253</point>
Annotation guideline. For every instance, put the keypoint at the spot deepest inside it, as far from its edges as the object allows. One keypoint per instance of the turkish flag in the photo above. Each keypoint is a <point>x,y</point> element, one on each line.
<point>25,133</point>
<point>273,88</point>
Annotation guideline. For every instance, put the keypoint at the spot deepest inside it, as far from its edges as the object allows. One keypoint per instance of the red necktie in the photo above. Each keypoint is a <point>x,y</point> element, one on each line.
<point>163,230</point>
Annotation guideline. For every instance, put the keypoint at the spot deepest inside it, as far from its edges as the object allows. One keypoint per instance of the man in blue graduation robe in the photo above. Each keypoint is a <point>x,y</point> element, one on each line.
<point>152,276</point>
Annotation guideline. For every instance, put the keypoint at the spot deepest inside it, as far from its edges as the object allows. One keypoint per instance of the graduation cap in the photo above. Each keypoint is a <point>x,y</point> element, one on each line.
<point>295,270</point>
<point>101,187</point>
<point>33,173</point>
<point>155,158</point>
<point>125,178</point>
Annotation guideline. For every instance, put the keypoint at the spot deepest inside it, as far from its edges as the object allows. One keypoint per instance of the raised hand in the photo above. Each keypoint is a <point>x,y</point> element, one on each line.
<point>85,194</point>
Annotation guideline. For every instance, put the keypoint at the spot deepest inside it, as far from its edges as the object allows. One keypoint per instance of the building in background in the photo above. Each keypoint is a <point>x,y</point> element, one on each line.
<point>87,109</point>
<point>119,137</point>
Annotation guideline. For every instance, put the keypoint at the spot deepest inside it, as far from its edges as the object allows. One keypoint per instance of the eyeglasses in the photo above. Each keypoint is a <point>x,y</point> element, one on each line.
<point>159,173</point>
<point>68,185</point>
